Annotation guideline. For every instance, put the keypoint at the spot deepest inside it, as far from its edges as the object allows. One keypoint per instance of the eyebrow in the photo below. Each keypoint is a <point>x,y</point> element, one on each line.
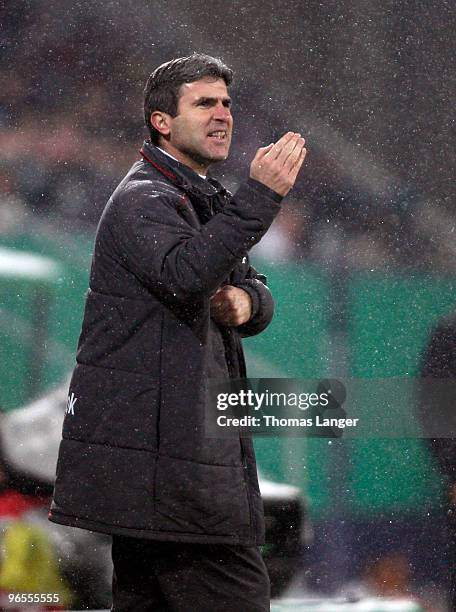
<point>226,100</point>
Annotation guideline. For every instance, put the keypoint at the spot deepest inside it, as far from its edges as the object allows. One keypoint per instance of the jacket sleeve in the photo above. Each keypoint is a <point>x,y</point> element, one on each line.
<point>255,285</point>
<point>176,260</point>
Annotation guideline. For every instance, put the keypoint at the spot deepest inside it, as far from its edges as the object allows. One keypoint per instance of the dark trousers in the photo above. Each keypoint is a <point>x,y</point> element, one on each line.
<point>175,577</point>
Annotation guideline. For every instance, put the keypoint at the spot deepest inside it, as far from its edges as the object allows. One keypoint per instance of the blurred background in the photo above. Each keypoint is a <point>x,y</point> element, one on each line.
<point>361,260</point>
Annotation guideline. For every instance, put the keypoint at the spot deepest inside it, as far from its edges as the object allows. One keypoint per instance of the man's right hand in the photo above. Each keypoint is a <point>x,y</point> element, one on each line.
<point>278,164</point>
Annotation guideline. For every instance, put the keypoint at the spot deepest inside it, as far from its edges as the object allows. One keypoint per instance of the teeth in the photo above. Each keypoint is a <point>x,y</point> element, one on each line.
<point>218,134</point>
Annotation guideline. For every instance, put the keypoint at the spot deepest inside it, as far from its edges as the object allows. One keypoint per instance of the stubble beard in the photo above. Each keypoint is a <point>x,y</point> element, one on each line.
<point>202,158</point>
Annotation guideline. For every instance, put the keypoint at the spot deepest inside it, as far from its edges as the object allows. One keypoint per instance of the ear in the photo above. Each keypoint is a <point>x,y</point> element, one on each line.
<point>161,122</point>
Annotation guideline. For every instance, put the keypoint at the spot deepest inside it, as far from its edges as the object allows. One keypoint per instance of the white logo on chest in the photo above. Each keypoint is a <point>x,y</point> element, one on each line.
<point>71,403</point>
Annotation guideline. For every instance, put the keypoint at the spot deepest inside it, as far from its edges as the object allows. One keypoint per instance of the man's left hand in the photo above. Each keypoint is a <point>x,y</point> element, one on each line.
<point>231,306</point>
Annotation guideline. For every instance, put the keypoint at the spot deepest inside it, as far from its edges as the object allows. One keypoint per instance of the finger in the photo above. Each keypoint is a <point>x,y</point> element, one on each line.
<point>215,293</point>
<point>300,160</point>
<point>223,289</point>
<point>297,167</point>
<point>294,155</point>
<point>280,144</point>
<point>224,292</point>
<point>224,318</point>
<point>217,304</point>
<point>285,138</point>
<point>263,150</point>
<point>220,304</point>
<point>293,146</point>
<point>288,149</point>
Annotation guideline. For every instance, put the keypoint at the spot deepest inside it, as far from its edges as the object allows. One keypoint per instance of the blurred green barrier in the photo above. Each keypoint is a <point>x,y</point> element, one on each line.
<point>294,345</point>
<point>44,312</point>
<point>390,319</point>
<point>27,288</point>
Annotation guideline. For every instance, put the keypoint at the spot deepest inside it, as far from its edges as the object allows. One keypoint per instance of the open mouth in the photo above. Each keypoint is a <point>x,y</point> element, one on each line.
<point>218,135</point>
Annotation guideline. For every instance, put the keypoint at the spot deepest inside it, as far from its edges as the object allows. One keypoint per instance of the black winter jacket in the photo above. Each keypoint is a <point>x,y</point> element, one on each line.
<point>134,459</point>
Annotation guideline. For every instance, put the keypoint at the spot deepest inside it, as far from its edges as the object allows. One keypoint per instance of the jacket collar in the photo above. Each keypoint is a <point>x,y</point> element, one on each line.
<point>180,174</point>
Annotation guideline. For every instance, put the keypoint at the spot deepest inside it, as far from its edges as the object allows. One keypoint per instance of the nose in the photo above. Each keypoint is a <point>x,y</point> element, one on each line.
<point>222,113</point>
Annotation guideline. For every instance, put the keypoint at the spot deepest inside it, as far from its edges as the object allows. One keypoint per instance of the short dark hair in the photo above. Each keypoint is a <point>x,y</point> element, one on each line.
<point>162,88</point>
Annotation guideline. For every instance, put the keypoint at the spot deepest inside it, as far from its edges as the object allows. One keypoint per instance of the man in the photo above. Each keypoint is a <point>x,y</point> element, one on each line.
<point>438,418</point>
<point>171,293</point>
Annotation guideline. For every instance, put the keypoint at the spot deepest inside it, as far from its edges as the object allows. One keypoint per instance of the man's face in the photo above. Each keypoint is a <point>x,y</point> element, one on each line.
<point>200,133</point>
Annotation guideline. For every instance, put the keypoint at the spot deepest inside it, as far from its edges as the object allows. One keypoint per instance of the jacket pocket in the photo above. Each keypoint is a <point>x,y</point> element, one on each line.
<point>114,407</point>
<point>196,498</point>
<point>112,486</point>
